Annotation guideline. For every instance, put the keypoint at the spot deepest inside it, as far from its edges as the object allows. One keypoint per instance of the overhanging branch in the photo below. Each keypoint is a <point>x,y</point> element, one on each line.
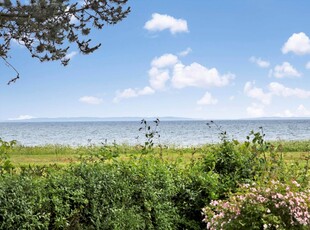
<point>13,80</point>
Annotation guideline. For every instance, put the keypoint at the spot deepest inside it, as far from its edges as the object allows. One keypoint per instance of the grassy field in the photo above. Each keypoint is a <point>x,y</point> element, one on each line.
<point>293,151</point>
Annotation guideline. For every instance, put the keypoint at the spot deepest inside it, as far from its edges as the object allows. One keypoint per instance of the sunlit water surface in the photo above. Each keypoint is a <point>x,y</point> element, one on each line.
<point>179,133</point>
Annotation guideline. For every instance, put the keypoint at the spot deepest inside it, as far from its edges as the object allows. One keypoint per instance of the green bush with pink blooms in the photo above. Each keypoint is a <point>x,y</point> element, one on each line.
<point>274,205</point>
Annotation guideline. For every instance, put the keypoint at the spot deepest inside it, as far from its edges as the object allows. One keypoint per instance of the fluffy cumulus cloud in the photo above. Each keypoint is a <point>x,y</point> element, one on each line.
<point>308,65</point>
<point>257,93</point>
<point>197,75</point>
<point>161,22</point>
<point>260,62</point>
<point>158,78</point>
<point>164,61</point>
<point>169,67</point>
<point>207,99</point>
<point>284,70</point>
<point>130,93</point>
<point>91,100</point>
<point>169,70</point>
<point>298,43</point>
<point>273,89</point>
<point>159,72</point>
<point>256,110</point>
<point>21,117</point>
<point>278,89</point>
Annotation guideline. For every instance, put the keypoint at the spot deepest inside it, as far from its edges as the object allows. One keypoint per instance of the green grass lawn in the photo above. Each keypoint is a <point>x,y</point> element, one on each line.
<point>293,151</point>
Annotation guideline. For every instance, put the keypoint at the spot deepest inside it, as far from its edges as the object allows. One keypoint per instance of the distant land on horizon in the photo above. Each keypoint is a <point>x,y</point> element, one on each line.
<point>86,119</point>
<point>167,118</point>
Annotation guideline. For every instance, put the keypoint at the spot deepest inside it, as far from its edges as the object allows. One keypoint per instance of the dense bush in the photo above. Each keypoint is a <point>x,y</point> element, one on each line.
<point>147,191</point>
<point>21,203</point>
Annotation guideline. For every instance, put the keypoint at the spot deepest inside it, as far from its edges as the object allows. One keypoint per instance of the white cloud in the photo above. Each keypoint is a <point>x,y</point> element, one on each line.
<point>146,91</point>
<point>126,93</point>
<point>91,100</point>
<point>194,75</point>
<point>256,110</point>
<point>198,76</point>
<point>298,44</point>
<point>71,55</point>
<point>280,90</point>
<point>169,68</point>
<point>258,61</point>
<point>159,72</point>
<point>158,78</point>
<point>165,60</point>
<point>308,65</point>
<point>22,117</point>
<point>274,89</point>
<point>185,52</point>
<point>161,22</point>
<point>284,70</point>
<point>257,93</point>
<point>130,93</point>
<point>207,99</point>
<point>301,111</point>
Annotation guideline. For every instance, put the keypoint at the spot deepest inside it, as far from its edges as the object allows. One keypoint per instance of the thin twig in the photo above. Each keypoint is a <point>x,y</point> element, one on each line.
<point>13,80</point>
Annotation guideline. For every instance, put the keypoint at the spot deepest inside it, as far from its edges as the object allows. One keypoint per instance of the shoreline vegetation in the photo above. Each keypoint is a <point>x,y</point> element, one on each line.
<point>252,184</point>
<point>65,154</point>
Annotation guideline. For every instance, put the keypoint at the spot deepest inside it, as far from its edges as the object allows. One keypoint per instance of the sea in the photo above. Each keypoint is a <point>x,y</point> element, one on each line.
<point>173,133</point>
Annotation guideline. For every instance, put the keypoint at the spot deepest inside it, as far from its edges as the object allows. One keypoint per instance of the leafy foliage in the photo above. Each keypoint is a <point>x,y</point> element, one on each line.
<point>244,185</point>
<point>5,163</point>
<point>150,134</point>
<point>47,27</point>
<point>44,27</point>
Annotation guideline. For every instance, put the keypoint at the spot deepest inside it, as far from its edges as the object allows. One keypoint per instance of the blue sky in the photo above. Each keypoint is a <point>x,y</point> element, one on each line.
<point>200,59</point>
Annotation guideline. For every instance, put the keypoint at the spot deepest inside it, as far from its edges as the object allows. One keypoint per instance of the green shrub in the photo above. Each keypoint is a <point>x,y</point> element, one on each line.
<point>22,203</point>
<point>5,163</point>
<point>195,188</point>
<point>273,206</point>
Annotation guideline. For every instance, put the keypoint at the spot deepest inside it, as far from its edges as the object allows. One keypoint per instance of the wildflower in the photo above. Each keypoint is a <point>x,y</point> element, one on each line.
<point>289,207</point>
<point>295,183</point>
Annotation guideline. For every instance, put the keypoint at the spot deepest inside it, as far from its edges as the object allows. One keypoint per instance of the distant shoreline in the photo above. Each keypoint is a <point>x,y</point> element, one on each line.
<point>138,119</point>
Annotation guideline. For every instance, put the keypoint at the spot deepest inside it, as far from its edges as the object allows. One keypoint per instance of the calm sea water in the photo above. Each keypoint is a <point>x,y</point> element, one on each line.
<point>179,133</point>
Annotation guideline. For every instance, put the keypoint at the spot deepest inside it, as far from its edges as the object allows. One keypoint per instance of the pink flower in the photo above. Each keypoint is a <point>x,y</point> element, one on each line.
<point>296,183</point>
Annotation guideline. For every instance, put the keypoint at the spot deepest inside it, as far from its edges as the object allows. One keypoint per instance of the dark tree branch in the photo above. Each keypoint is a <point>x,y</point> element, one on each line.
<point>13,80</point>
<point>48,27</point>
